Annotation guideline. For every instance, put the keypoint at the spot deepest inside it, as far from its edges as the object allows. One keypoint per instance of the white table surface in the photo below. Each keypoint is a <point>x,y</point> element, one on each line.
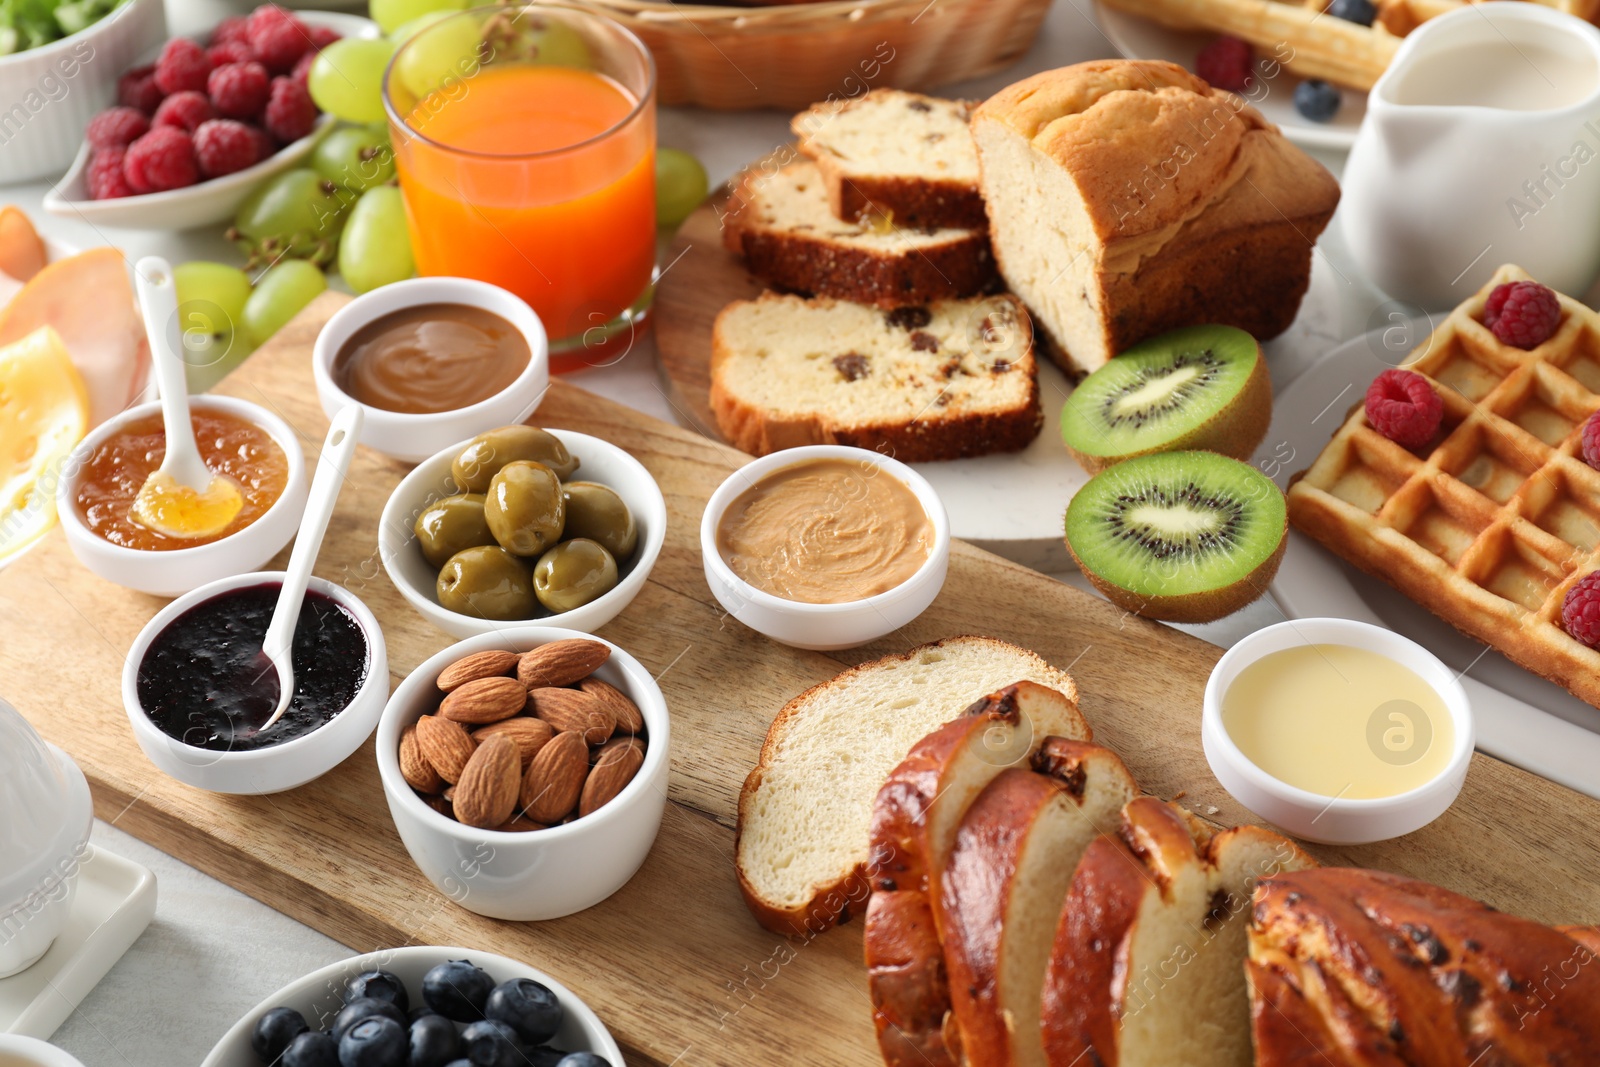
<point>213,952</point>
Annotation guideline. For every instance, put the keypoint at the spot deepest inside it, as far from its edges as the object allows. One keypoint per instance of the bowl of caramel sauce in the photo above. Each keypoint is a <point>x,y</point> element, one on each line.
<point>432,361</point>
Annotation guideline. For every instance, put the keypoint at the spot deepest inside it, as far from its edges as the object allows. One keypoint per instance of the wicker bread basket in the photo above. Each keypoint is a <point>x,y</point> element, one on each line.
<point>792,55</point>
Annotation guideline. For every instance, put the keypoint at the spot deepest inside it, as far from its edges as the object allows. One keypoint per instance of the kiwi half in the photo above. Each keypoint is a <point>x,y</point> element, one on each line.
<point>1203,387</point>
<point>1180,536</point>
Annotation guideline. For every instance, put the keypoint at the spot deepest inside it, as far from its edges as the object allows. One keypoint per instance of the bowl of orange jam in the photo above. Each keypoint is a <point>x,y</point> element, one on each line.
<point>238,440</point>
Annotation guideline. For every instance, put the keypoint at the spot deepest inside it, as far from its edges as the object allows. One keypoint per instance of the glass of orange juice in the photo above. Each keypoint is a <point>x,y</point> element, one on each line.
<point>524,139</point>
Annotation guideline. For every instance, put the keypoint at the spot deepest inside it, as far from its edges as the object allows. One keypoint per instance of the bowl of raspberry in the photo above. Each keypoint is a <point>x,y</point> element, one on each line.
<point>200,123</point>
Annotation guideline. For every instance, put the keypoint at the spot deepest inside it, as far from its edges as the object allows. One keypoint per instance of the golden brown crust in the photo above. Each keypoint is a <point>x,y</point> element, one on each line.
<point>910,201</point>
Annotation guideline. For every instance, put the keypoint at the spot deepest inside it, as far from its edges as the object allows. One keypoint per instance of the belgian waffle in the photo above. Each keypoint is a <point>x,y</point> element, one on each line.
<point>1490,528</point>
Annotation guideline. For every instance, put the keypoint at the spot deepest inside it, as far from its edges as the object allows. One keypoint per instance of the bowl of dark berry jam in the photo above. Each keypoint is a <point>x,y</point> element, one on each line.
<point>198,691</point>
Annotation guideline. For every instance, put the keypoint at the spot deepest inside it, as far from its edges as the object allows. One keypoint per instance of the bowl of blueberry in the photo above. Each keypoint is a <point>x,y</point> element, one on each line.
<point>420,1007</point>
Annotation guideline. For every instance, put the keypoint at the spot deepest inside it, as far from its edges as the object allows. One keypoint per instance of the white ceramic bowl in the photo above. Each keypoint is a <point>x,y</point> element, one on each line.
<point>31,1052</point>
<point>316,996</point>
<point>537,874</point>
<point>1310,815</point>
<point>599,461</point>
<point>62,85</point>
<point>206,203</point>
<point>824,626</point>
<point>413,438</point>
<point>278,767</point>
<point>177,571</point>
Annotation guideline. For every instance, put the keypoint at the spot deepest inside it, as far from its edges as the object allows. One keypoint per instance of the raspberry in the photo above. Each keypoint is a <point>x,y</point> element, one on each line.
<point>1522,314</point>
<point>239,90</point>
<point>117,127</point>
<point>265,145</point>
<point>138,89</point>
<point>160,160</point>
<point>1403,407</point>
<point>1226,63</point>
<point>302,68</point>
<point>233,28</point>
<point>230,52</point>
<point>223,146</point>
<point>183,66</point>
<point>1580,611</point>
<point>185,110</point>
<point>322,37</point>
<point>1591,441</point>
<point>278,37</point>
<point>106,181</point>
<point>290,114</point>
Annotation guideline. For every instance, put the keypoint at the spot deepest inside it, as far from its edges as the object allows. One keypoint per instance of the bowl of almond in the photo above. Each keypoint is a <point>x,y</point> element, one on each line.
<point>526,770</point>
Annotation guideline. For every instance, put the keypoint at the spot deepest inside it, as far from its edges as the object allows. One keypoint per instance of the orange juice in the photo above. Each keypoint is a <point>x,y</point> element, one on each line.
<point>540,179</point>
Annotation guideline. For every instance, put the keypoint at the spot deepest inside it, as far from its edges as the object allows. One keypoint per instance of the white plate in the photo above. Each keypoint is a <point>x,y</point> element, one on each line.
<point>1139,38</point>
<point>206,203</point>
<point>1521,718</point>
<point>116,900</point>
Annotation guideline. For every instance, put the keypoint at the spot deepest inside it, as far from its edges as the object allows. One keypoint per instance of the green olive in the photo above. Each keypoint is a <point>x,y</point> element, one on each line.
<point>486,453</point>
<point>450,524</point>
<point>524,507</point>
<point>574,573</point>
<point>489,583</point>
<point>596,511</point>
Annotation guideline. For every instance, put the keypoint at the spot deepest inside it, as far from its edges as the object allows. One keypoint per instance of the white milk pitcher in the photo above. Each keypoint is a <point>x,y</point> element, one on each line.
<point>1481,146</point>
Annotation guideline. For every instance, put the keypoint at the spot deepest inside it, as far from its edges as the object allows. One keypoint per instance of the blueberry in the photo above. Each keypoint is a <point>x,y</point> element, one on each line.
<point>545,1056</point>
<point>457,990</point>
<point>313,1048</point>
<point>527,1007</point>
<point>434,1041</point>
<point>379,985</point>
<point>365,1008</point>
<point>582,1059</point>
<point>376,1041</point>
<point>1317,100</point>
<point>421,1011</point>
<point>274,1031</point>
<point>492,1044</point>
<point>1360,12</point>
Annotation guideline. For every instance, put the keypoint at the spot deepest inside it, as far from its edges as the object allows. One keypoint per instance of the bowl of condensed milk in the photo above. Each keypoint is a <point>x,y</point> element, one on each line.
<point>1337,731</point>
<point>825,547</point>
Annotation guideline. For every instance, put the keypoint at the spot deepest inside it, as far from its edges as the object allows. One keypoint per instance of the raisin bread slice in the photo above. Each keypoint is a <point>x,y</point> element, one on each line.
<point>956,378</point>
<point>780,222</point>
<point>900,155</point>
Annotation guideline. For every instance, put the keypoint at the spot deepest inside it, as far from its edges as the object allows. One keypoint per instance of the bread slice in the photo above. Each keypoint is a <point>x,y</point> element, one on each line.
<point>1003,887</point>
<point>956,378</point>
<point>780,222</point>
<point>1128,198</point>
<point>1149,954</point>
<point>915,819</point>
<point>806,808</point>
<point>901,155</point>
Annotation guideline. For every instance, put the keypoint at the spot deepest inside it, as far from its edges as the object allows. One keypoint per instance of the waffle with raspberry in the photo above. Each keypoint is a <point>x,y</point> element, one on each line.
<point>1490,524</point>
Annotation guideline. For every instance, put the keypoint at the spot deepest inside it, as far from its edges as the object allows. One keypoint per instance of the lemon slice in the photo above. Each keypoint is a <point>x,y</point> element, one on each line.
<point>44,412</point>
<point>168,507</point>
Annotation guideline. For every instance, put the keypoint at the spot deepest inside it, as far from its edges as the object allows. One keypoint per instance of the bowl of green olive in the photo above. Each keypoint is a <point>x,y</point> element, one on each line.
<point>522,524</point>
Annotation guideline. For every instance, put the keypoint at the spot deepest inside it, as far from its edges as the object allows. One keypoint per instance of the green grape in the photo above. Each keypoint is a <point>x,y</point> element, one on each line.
<point>346,78</point>
<point>211,299</point>
<point>281,292</point>
<point>444,52</point>
<point>556,43</point>
<point>299,211</point>
<point>681,185</point>
<point>390,15</point>
<point>376,248</point>
<point>355,157</point>
<point>416,26</point>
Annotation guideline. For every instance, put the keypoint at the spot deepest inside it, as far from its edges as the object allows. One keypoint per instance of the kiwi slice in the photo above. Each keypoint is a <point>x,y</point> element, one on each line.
<point>1181,536</point>
<point>1203,387</point>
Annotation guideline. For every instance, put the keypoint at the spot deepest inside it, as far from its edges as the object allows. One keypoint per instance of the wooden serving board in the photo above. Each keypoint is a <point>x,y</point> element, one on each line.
<point>673,963</point>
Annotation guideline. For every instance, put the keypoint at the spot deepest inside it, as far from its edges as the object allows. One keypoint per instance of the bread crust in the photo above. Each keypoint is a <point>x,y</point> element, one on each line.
<point>913,201</point>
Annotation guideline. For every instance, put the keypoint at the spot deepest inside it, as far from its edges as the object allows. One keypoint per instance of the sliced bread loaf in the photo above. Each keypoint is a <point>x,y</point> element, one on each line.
<point>956,378</point>
<point>901,155</point>
<point>780,222</point>
<point>805,812</point>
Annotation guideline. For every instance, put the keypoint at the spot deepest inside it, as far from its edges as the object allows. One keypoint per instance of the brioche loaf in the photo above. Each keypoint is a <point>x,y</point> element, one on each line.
<point>806,808</point>
<point>1128,198</point>
<point>901,155</point>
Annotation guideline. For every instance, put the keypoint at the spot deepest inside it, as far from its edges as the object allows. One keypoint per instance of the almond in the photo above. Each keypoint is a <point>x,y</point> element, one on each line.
<point>625,711</point>
<point>561,662</point>
<point>621,741</point>
<point>414,768</point>
<point>555,778</point>
<point>521,824</point>
<point>530,735</point>
<point>613,770</point>
<point>490,663</point>
<point>446,745</point>
<point>487,793</point>
<point>574,711</point>
<point>484,700</point>
<point>440,805</point>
